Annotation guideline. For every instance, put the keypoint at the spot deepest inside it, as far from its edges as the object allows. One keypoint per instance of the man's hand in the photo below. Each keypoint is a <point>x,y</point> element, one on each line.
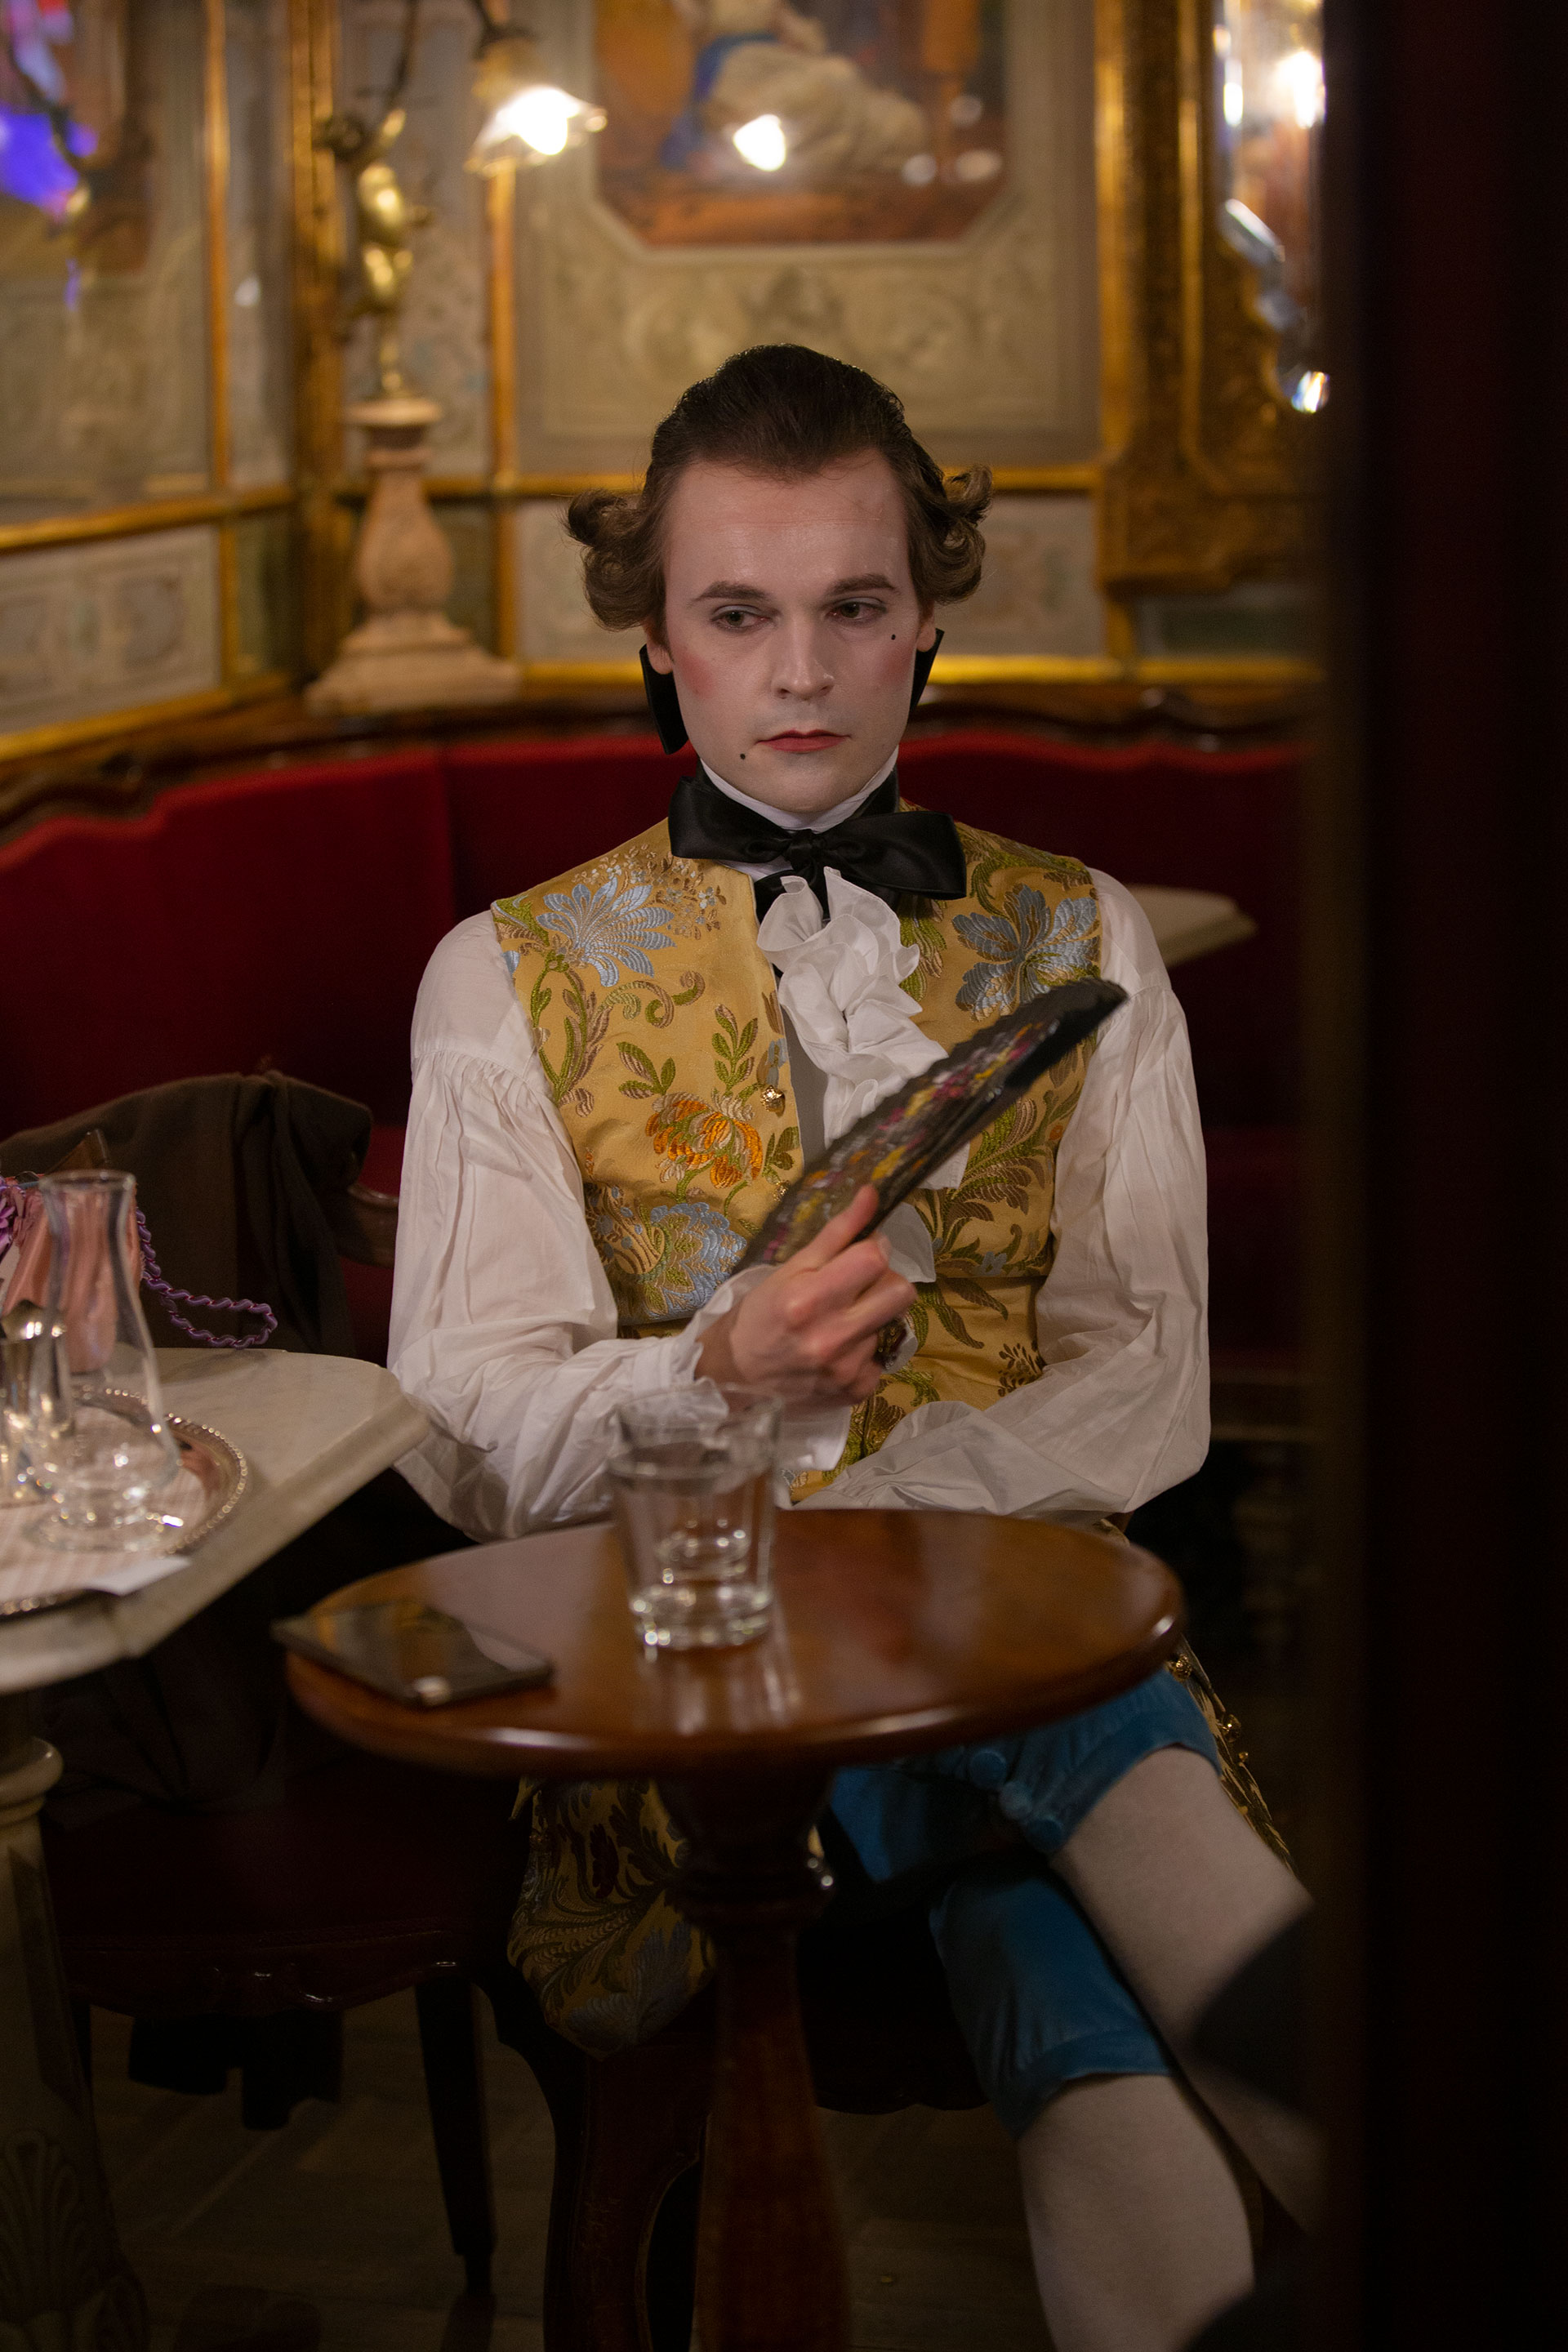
<point>809,1332</point>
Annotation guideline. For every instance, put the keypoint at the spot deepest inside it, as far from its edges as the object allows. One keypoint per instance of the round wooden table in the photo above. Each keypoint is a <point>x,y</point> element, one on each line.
<point>894,1630</point>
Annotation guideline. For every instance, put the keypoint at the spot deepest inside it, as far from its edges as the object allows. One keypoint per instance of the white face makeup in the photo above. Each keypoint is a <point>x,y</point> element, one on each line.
<point>792,626</point>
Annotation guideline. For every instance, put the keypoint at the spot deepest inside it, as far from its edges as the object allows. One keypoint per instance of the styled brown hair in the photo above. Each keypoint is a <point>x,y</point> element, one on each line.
<point>784,410</point>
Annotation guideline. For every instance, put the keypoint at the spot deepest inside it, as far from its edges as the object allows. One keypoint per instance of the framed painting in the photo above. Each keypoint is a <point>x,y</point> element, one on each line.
<point>858,122</point>
<point>839,175</point>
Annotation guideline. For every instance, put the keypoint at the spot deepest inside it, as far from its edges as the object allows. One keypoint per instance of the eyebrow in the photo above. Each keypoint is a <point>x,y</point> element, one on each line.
<point>737,591</point>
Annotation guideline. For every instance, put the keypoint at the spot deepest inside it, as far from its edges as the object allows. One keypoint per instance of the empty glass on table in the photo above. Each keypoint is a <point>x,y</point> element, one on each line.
<point>692,1473</point>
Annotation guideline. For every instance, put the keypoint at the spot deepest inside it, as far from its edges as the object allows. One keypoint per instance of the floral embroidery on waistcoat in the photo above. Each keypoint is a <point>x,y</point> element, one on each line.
<point>1027,943</point>
<point>714,1138</point>
<point>620,912</point>
<point>606,927</point>
<point>921,930</point>
<point>670,1082</point>
<point>1031,948</point>
<point>665,1262</point>
<point>596,1936</point>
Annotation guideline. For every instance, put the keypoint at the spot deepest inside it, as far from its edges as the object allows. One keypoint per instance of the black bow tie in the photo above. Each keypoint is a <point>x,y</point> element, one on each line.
<point>882,847</point>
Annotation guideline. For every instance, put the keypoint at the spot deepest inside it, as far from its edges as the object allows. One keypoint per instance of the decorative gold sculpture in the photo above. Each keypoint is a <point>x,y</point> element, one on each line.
<point>406,655</point>
<point>383,220</point>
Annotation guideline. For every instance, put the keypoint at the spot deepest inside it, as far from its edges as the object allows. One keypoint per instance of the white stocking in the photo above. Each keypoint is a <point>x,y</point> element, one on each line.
<point>1136,2224</point>
<point>1182,1892</point>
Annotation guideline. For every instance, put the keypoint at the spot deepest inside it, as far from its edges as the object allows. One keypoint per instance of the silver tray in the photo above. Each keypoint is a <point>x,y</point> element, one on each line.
<point>222,1474</point>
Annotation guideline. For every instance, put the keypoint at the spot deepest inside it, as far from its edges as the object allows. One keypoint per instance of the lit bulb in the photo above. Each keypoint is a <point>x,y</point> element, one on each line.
<point>1302,78</point>
<point>762,142</point>
<point>1311,392</point>
<point>531,125</point>
<point>541,117</point>
<point>1234,97</point>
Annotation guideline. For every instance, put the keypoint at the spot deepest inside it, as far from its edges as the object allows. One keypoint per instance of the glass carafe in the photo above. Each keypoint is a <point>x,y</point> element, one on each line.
<point>110,1464</point>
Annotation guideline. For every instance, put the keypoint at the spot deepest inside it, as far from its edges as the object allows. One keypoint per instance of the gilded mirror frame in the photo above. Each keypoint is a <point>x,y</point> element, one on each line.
<point>1206,480</point>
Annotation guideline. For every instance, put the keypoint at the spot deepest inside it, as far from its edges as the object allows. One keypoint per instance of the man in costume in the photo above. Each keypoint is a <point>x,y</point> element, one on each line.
<point>616,1074</point>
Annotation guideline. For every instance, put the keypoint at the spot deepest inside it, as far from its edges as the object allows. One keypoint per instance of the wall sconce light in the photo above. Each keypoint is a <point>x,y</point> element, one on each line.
<point>527,119</point>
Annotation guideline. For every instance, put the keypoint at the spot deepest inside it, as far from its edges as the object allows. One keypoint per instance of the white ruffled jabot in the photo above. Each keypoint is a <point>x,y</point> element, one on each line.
<point>839,984</point>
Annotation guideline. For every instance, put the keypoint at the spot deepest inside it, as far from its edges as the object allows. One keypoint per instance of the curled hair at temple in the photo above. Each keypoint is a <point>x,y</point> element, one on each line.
<point>783,410</point>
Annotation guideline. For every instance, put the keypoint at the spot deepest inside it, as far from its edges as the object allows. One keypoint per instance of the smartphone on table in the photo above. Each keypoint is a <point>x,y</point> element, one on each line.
<point>415,1653</point>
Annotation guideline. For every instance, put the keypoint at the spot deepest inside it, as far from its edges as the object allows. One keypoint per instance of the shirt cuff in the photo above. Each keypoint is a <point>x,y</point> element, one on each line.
<point>687,1346</point>
<point>948,1456</point>
<point>811,1436</point>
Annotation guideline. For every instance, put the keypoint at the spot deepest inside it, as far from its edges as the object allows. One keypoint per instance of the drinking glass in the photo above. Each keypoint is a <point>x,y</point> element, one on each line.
<point>35,1393</point>
<point>106,1460</point>
<point>692,1473</point>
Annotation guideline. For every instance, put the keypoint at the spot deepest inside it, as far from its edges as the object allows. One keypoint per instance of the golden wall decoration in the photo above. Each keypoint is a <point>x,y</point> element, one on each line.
<point>1207,470</point>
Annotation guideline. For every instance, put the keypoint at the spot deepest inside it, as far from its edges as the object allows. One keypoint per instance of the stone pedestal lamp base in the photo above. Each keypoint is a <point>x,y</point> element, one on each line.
<point>408,655</point>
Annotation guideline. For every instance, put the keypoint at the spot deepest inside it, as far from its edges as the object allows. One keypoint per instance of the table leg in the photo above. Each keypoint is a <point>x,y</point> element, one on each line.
<point>770,2274</point>
<point>63,2279</point>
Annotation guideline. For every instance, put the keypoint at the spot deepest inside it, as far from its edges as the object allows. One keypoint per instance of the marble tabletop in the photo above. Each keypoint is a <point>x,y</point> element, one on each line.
<point>313,1429</point>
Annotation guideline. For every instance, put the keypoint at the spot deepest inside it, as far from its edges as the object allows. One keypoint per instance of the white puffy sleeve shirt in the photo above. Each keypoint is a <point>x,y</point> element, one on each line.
<point>503,1326</point>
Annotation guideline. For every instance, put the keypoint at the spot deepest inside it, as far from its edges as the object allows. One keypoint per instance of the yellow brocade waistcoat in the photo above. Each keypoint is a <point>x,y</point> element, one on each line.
<point>657,1022</point>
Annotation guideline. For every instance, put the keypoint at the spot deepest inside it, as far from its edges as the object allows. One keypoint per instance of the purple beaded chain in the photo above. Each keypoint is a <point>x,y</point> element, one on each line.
<point>153,1280</point>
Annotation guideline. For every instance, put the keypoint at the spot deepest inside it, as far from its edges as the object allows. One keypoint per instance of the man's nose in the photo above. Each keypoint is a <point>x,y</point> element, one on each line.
<point>800,668</point>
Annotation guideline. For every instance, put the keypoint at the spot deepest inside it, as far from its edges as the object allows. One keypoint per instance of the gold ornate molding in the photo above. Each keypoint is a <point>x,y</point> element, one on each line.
<point>1207,472</point>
